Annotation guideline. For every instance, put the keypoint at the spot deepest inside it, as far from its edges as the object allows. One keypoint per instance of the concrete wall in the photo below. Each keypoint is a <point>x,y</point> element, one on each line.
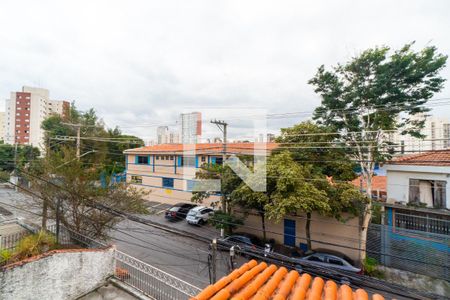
<point>58,275</point>
<point>398,177</point>
<point>326,231</point>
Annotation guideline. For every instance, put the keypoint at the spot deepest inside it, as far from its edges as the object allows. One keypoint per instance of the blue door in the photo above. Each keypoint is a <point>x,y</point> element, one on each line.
<point>289,232</point>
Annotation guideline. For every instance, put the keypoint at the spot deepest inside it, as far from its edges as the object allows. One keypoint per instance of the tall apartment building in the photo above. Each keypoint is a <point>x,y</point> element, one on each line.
<point>436,132</point>
<point>166,136</point>
<point>2,126</point>
<point>24,113</point>
<point>191,127</point>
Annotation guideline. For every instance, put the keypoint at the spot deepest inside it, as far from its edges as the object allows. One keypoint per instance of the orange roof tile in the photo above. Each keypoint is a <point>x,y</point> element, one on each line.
<point>238,148</point>
<point>262,282</point>
<point>440,158</point>
<point>378,183</point>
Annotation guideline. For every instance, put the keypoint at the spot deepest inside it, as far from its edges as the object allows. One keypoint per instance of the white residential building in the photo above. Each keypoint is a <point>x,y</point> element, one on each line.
<point>437,137</point>
<point>420,179</point>
<point>166,136</point>
<point>2,125</point>
<point>24,113</point>
<point>191,127</point>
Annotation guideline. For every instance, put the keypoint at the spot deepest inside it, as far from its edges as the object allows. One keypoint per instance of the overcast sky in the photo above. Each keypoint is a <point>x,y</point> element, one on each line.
<point>141,63</point>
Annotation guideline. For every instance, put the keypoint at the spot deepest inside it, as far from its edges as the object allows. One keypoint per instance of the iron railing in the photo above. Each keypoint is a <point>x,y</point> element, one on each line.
<point>10,241</point>
<point>422,223</point>
<point>149,280</point>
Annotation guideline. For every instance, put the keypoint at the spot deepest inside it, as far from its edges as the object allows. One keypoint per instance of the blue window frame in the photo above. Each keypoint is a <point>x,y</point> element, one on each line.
<point>167,182</point>
<point>142,160</point>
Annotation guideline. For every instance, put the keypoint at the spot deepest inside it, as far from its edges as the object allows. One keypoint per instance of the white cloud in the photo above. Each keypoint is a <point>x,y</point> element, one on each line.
<point>143,62</point>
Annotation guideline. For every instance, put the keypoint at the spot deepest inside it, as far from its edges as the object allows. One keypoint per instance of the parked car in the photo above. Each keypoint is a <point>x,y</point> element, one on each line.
<point>245,241</point>
<point>199,215</point>
<point>179,211</point>
<point>330,260</point>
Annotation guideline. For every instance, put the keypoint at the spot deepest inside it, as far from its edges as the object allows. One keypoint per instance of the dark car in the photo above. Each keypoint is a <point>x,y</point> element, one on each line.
<point>330,260</point>
<point>179,211</point>
<point>244,241</point>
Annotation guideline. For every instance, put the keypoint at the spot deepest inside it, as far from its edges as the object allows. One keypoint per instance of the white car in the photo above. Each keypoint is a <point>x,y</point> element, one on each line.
<point>199,215</point>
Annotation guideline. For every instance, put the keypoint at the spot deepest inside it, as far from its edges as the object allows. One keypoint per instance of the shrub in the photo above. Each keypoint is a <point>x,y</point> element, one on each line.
<point>5,256</point>
<point>226,221</point>
<point>34,244</point>
<point>370,266</point>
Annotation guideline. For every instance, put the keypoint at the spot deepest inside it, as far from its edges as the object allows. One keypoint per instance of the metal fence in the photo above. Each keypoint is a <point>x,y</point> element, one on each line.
<point>152,281</point>
<point>10,241</point>
<point>149,280</point>
<point>422,223</point>
<point>410,250</point>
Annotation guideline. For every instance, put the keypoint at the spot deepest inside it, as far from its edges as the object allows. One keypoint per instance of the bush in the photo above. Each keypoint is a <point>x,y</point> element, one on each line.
<point>222,220</point>
<point>34,244</point>
<point>5,256</point>
<point>370,266</point>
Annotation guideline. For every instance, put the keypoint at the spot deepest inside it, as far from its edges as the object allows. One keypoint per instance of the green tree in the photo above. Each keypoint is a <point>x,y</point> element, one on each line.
<point>374,92</point>
<point>9,160</point>
<point>290,190</point>
<point>61,176</point>
<point>229,182</point>
<point>311,144</point>
<point>105,146</point>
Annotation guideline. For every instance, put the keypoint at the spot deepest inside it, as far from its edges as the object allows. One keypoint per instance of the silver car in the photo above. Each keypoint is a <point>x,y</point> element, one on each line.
<point>330,261</point>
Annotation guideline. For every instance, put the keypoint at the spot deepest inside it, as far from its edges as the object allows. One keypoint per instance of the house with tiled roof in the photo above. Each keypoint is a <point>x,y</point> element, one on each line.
<point>168,170</point>
<point>262,281</point>
<point>421,180</point>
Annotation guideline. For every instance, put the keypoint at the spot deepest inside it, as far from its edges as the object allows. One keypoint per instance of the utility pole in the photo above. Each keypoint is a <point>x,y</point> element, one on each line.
<point>78,141</point>
<point>16,176</point>
<point>58,219</point>
<point>78,126</point>
<point>222,125</point>
<point>213,259</point>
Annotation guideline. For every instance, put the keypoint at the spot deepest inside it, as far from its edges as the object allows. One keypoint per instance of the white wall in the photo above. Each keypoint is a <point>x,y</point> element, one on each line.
<point>398,177</point>
<point>66,274</point>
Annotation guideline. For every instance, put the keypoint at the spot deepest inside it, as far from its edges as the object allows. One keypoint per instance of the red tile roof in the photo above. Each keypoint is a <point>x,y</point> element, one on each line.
<point>440,158</point>
<point>378,183</point>
<point>262,282</point>
<point>238,148</point>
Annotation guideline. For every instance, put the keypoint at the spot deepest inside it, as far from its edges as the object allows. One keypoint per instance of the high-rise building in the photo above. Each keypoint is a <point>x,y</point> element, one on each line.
<point>191,127</point>
<point>435,130</point>
<point>165,136</point>
<point>24,113</point>
<point>2,125</point>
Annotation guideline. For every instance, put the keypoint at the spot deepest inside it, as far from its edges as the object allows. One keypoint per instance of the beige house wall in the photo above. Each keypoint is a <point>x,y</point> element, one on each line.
<point>328,233</point>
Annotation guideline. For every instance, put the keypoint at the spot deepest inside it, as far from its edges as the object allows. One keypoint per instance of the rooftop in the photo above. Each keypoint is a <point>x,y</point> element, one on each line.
<point>235,148</point>
<point>260,281</point>
<point>378,183</point>
<point>440,158</point>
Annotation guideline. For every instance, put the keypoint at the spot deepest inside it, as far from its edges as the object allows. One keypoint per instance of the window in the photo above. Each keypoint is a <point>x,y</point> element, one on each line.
<point>136,179</point>
<point>428,192</point>
<point>142,160</point>
<point>219,160</point>
<point>171,157</point>
<point>203,158</point>
<point>157,157</point>
<point>335,261</point>
<point>167,182</point>
<point>188,161</point>
<point>315,258</point>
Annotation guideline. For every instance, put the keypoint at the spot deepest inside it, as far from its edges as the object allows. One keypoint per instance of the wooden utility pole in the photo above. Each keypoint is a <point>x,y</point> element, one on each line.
<point>78,126</point>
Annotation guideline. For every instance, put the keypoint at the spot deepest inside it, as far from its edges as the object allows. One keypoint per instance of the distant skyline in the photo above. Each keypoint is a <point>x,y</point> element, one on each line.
<point>144,63</point>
